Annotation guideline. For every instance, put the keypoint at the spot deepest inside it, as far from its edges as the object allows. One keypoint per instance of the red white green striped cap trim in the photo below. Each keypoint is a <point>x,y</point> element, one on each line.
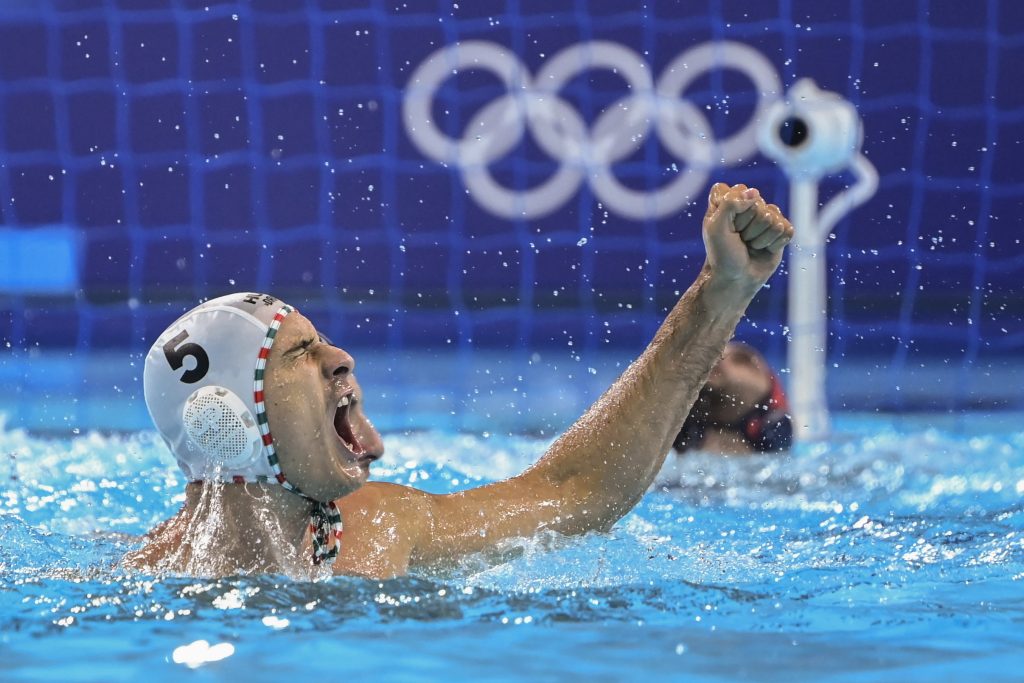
<point>261,407</point>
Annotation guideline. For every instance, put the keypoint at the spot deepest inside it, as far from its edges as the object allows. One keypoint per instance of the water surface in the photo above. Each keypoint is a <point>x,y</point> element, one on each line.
<point>894,550</point>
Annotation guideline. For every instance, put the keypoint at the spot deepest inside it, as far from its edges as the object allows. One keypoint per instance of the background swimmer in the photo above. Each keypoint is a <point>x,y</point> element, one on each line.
<point>741,408</point>
<point>318,443</point>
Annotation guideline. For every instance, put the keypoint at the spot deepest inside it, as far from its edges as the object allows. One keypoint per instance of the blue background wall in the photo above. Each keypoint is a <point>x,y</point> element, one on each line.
<point>196,148</point>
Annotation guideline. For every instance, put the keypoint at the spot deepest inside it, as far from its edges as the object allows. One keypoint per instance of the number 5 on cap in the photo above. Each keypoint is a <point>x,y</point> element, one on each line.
<point>176,357</point>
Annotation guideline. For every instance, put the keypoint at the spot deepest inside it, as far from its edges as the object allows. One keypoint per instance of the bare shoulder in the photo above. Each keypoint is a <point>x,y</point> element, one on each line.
<point>383,524</point>
<point>382,498</point>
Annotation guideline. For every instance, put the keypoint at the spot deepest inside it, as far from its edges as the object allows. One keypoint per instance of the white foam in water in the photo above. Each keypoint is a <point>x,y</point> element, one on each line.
<point>201,652</point>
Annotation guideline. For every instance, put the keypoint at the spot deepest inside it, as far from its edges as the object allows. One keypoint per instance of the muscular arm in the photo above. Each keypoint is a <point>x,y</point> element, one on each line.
<point>597,471</point>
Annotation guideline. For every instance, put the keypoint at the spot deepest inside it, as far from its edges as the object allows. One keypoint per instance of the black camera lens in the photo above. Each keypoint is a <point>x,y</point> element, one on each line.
<point>793,131</point>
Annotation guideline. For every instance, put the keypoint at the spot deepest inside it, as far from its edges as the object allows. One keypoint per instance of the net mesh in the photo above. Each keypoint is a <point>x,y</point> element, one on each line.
<point>199,148</point>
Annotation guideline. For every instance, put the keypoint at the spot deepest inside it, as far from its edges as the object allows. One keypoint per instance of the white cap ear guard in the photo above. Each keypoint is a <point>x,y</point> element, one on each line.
<point>203,384</point>
<point>220,430</point>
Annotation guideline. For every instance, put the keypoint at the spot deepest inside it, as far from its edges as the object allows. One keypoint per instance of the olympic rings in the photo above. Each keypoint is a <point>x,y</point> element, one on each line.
<point>585,153</point>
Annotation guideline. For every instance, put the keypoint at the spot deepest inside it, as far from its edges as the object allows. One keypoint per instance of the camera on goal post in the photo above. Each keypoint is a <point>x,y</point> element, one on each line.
<point>812,132</point>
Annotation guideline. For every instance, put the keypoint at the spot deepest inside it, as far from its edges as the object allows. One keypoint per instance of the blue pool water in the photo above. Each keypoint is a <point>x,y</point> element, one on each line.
<point>893,551</point>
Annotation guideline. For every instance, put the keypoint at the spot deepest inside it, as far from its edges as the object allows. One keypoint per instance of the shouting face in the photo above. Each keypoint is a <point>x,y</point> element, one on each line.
<point>324,441</point>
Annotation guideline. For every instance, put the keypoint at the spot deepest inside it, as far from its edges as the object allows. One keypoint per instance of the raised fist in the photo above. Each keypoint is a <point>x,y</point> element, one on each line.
<point>744,236</point>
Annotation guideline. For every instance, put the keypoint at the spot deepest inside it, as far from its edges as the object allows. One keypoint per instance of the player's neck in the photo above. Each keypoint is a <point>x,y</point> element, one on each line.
<point>228,529</point>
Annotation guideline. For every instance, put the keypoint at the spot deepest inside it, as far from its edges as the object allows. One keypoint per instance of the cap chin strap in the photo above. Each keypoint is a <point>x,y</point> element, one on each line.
<point>324,518</point>
<point>325,528</point>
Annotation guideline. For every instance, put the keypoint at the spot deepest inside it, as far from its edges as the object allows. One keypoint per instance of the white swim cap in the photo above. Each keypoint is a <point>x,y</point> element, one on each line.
<point>203,383</point>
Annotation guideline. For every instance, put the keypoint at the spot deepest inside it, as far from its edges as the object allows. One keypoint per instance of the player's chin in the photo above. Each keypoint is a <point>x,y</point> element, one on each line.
<point>354,475</point>
<point>342,483</point>
<point>345,474</point>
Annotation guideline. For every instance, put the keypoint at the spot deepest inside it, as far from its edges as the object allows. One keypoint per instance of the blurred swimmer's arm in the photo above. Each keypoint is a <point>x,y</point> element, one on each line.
<point>597,471</point>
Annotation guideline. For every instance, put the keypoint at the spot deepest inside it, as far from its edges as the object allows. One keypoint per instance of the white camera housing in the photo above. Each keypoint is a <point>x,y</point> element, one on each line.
<point>812,132</point>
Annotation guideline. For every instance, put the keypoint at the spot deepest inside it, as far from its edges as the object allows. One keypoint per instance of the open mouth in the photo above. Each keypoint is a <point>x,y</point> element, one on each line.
<point>343,426</point>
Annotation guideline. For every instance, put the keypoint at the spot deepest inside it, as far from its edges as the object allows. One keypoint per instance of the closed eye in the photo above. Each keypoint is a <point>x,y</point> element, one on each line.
<point>300,347</point>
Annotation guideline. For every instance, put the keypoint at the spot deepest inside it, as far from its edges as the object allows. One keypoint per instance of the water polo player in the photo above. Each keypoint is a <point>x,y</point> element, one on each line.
<point>266,419</point>
<point>741,409</point>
